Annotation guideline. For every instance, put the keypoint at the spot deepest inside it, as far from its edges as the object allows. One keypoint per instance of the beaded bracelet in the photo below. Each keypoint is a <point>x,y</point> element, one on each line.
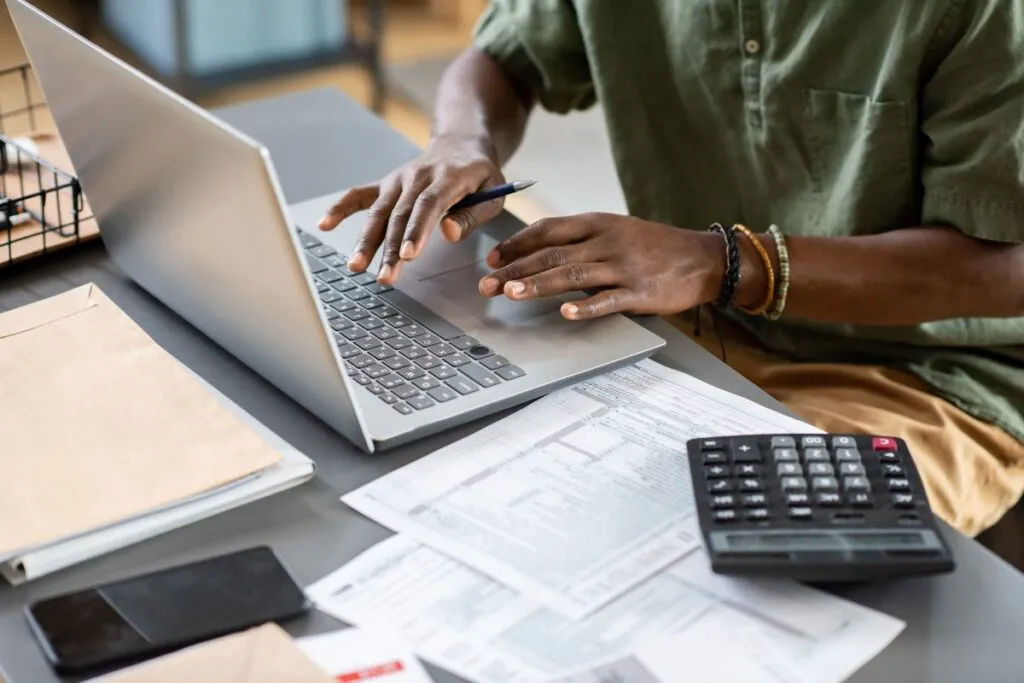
<point>731,277</point>
<point>766,263</point>
<point>779,304</point>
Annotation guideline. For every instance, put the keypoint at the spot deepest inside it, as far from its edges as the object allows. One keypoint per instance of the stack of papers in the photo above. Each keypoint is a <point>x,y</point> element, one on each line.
<point>108,440</point>
<point>561,543</point>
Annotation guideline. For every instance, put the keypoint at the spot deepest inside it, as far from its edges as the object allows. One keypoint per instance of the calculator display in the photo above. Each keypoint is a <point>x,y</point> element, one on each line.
<point>821,541</point>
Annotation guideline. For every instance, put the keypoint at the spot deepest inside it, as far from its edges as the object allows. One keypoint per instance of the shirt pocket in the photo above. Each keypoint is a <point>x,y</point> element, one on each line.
<point>862,161</point>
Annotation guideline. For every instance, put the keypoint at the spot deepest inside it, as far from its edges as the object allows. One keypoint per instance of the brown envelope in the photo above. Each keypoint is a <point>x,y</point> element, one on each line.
<point>98,424</point>
<point>261,655</point>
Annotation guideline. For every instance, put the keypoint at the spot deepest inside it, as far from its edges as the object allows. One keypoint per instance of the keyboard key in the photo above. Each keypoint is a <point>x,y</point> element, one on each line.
<point>726,500</point>
<point>719,486</point>
<point>361,379</point>
<point>463,343</point>
<point>462,385</point>
<point>856,484</point>
<point>783,442</point>
<point>494,362</point>
<point>412,352</point>
<point>439,371</point>
<point>410,373</point>
<point>898,484</point>
<point>338,261</point>
<point>891,470</point>
<point>757,514</point>
<point>331,313</point>
<point>375,371</point>
<point>343,306</point>
<point>724,515</point>
<point>421,402</point>
<point>429,363</point>
<point>371,324</point>
<point>390,381</point>
<point>883,443</point>
<point>423,315</point>
<point>902,500</point>
<point>847,455</point>
<point>745,450</point>
<point>457,360</point>
<point>384,333</point>
<point>308,241</point>
<point>370,303</point>
<point>426,383</point>
<point>442,350</point>
<point>387,398</point>
<point>812,442</point>
<point>754,500</point>
<point>413,330</point>
<point>843,442</point>
<point>510,372</point>
<point>383,352</point>
<point>354,333</point>
<point>321,288</point>
<point>715,458</point>
<point>330,296</point>
<point>816,455</point>
<point>796,499</point>
<point>341,323</point>
<point>478,351</point>
<point>357,295</point>
<point>888,457</point>
<point>364,278</point>
<point>361,361</point>
<point>786,455</point>
<point>377,288</point>
<point>349,351</point>
<point>480,375</point>
<point>356,314</point>
<point>403,408</point>
<point>368,342</point>
<point>428,339</point>
<point>315,264</point>
<point>793,483</point>
<point>398,320</point>
<point>824,483</point>
<point>716,472</point>
<point>343,286</point>
<point>746,470</point>
<point>789,469</point>
<point>441,394</point>
<point>748,485</point>
<point>851,469</point>
<point>397,343</point>
<point>860,499</point>
<point>330,275</point>
<point>828,499</point>
<point>322,251</point>
<point>801,513</point>
<point>820,469</point>
<point>385,312</point>
<point>404,391</point>
<point>375,388</point>
<point>397,363</point>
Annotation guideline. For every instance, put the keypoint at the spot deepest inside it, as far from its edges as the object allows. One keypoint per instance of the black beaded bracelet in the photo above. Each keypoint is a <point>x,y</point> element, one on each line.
<point>731,277</point>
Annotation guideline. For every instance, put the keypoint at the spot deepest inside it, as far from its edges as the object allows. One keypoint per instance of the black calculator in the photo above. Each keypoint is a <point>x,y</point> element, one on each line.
<point>818,508</point>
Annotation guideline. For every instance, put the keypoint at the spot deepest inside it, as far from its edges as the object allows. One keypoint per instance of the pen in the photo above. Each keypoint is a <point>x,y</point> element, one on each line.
<point>490,193</point>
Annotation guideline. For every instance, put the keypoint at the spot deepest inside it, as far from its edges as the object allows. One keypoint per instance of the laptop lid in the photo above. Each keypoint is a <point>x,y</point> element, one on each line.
<point>193,212</point>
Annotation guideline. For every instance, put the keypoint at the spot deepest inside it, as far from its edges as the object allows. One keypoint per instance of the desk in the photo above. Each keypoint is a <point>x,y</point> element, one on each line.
<point>961,627</point>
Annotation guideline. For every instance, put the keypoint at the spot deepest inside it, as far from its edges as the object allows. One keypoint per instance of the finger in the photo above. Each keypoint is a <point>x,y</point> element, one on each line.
<point>548,232</point>
<point>354,200</point>
<point>457,225</point>
<point>547,259</point>
<point>373,232</point>
<point>573,277</point>
<point>601,304</point>
<point>400,216</point>
<point>434,201</point>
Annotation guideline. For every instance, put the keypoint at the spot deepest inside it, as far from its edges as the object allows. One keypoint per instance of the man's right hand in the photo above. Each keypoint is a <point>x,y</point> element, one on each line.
<point>405,205</point>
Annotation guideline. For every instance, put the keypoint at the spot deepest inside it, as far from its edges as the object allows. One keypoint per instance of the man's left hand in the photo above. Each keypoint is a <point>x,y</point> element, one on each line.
<point>637,266</point>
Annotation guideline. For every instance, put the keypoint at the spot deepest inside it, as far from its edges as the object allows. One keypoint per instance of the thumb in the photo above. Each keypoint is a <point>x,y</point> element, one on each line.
<point>458,225</point>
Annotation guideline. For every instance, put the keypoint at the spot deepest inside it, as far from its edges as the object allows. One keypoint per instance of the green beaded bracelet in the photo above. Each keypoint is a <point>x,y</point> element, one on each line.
<point>779,305</point>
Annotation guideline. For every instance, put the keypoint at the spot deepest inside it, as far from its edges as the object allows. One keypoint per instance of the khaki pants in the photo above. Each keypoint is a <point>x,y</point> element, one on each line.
<point>973,471</point>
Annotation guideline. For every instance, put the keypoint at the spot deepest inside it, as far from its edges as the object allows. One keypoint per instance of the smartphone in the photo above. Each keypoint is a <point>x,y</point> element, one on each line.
<point>151,614</point>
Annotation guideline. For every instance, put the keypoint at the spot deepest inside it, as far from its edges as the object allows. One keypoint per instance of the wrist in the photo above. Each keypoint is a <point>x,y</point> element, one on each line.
<point>474,143</point>
<point>753,285</point>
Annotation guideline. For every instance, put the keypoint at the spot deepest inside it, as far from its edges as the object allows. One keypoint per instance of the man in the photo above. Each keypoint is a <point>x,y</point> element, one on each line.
<point>886,142</point>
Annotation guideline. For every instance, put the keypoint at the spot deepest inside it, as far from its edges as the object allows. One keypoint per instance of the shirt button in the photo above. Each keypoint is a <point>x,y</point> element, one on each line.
<point>752,47</point>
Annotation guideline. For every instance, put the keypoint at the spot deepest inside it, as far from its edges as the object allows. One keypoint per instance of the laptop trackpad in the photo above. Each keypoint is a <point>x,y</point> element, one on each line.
<point>461,286</point>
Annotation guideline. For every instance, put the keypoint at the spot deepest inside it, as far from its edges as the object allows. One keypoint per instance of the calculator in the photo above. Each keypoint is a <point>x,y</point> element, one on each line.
<point>818,508</point>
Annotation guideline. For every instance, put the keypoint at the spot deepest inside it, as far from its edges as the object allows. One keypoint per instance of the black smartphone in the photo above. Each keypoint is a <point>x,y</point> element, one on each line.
<point>155,613</point>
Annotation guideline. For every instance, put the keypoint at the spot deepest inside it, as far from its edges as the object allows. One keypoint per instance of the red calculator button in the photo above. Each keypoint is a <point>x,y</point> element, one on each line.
<point>883,443</point>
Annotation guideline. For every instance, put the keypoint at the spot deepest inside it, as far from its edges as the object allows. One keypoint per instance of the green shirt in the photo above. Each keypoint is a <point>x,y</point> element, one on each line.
<point>825,117</point>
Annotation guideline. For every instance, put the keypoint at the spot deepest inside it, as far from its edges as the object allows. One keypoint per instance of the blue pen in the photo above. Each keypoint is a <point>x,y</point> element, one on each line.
<point>491,193</point>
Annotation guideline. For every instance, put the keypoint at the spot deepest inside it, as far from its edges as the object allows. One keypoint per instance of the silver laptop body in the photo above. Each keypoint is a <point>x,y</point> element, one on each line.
<point>192,211</point>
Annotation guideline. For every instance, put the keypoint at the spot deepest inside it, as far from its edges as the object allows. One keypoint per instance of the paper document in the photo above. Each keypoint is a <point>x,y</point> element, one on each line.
<point>353,655</point>
<point>576,498</point>
<point>467,623</point>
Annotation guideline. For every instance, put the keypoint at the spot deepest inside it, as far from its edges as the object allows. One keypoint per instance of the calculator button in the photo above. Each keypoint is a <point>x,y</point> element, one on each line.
<point>816,455</point>
<point>724,515</point>
<point>843,442</point>
<point>751,485</point>
<point>860,499</point>
<point>828,499</point>
<point>800,513</point>
<point>891,470</point>
<point>712,445</point>
<point>754,500</point>
<point>726,501</point>
<point>902,500</point>
<point>716,472</point>
<point>820,469</point>
<point>745,450</point>
<point>899,484</point>
<point>793,483</point>
<point>813,442</point>
<point>851,469</point>
<point>720,486</point>
<point>786,455</point>
<point>824,483</point>
<point>856,484</point>
<point>883,443</point>
<point>783,442</point>
<point>715,458</point>
<point>748,470</point>
<point>757,514</point>
<point>888,457</point>
<point>847,455</point>
<point>789,469</point>
<point>796,499</point>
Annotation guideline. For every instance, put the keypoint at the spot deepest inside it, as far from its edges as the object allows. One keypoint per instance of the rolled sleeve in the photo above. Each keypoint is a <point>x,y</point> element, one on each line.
<point>972,118</point>
<point>539,43</point>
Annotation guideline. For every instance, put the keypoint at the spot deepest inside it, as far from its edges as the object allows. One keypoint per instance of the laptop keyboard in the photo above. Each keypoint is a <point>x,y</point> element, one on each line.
<point>394,347</point>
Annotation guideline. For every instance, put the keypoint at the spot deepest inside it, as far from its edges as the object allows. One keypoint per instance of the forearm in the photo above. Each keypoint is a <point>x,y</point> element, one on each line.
<point>902,277</point>
<point>479,102</point>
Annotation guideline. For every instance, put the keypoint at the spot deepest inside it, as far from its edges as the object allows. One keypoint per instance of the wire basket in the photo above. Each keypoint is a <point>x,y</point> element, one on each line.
<point>42,208</point>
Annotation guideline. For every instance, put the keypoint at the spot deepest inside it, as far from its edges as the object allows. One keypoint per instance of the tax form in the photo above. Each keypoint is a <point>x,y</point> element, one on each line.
<point>576,498</point>
<point>681,619</point>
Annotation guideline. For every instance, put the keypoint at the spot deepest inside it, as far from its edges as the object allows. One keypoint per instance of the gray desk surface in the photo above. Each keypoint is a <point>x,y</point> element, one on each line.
<point>962,626</point>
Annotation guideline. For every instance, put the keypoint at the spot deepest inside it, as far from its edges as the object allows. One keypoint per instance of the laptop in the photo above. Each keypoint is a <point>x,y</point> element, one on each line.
<point>192,211</point>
